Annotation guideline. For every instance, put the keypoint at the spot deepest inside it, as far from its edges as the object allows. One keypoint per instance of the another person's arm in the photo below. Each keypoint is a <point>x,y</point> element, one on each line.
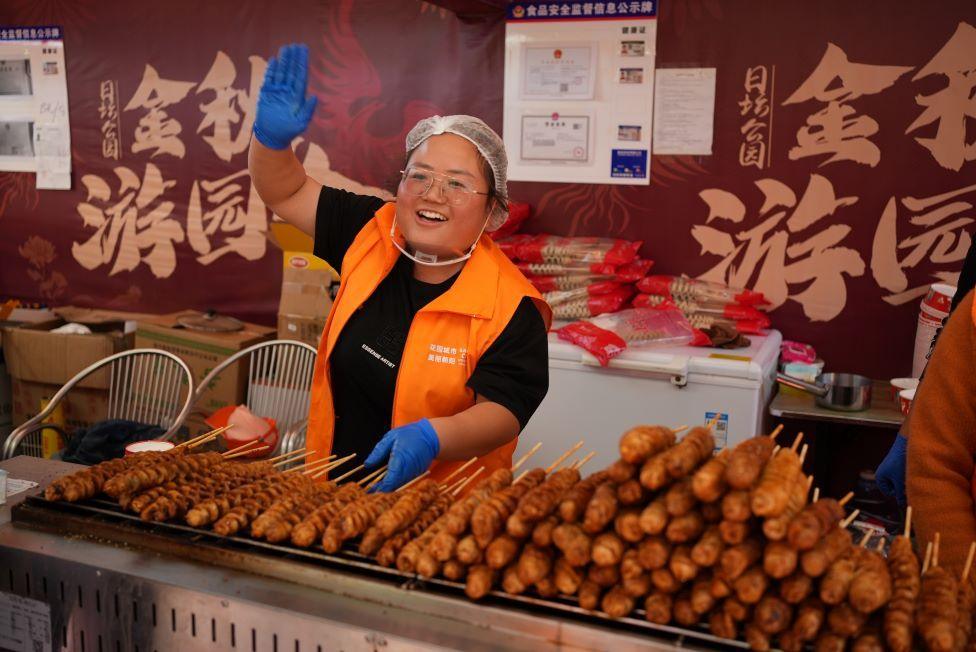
<point>943,441</point>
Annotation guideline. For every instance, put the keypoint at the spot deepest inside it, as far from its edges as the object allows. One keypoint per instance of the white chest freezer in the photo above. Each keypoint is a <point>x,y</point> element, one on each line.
<point>670,386</point>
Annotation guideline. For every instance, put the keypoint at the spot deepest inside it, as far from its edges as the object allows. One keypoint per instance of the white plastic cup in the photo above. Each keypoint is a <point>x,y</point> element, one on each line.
<point>932,312</point>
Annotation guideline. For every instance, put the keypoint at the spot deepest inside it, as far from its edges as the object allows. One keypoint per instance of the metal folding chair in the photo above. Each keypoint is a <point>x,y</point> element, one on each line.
<point>145,385</point>
<point>279,385</point>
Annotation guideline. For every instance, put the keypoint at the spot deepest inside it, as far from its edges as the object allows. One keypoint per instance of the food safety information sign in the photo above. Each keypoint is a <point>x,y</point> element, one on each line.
<point>579,91</point>
<point>25,624</point>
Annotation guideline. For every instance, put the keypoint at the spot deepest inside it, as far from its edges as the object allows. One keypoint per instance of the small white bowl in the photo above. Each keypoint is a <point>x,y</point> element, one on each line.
<point>149,446</point>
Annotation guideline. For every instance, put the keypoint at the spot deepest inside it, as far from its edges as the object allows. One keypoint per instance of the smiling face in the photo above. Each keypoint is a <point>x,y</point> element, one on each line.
<point>430,223</point>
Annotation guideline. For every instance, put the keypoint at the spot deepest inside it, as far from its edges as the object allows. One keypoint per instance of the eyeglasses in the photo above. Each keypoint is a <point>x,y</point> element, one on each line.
<point>418,181</point>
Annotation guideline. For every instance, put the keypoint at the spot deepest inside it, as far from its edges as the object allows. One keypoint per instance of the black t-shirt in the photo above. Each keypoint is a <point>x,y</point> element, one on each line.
<point>513,371</point>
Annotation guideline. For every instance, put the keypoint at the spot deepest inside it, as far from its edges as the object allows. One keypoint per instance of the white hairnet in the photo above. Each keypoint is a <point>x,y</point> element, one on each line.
<point>489,144</point>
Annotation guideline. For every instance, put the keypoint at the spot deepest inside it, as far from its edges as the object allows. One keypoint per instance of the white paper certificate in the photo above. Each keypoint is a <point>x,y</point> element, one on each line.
<point>554,72</point>
<point>555,138</point>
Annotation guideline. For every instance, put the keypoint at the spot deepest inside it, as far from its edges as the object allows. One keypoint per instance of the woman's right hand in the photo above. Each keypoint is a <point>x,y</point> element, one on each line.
<point>283,110</point>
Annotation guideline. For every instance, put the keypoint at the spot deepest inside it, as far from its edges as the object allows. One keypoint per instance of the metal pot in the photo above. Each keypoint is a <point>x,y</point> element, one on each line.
<point>843,392</point>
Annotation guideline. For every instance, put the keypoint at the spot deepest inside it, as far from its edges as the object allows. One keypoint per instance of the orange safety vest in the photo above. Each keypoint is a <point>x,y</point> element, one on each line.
<point>446,338</point>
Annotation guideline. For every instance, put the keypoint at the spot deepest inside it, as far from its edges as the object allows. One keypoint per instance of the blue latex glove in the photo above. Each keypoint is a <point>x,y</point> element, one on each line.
<point>890,474</point>
<point>411,449</point>
<point>283,110</point>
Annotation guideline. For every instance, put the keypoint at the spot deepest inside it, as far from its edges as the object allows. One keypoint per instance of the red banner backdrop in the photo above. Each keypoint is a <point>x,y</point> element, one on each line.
<point>842,181</point>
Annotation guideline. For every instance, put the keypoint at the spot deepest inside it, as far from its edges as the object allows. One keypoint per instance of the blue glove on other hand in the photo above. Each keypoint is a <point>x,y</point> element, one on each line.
<point>411,449</point>
<point>283,110</point>
<point>890,474</point>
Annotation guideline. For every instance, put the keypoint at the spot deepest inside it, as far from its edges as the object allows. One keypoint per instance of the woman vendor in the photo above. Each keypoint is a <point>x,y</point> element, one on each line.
<point>435,350</point>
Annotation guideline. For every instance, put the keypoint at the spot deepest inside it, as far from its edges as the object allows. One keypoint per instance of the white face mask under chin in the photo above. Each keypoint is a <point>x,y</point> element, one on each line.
<point>432,260</point>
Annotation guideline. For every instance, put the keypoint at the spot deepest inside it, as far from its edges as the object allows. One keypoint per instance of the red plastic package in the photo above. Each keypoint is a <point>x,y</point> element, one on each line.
<point>566,269</point>
<point>607,336</point>
<point>510,245</point>
<point>557,297</point>
<point>563,250</point>
<point>591,306</point>
<point>518,212</point>
<point>717,309</point>
<point>634,271</point>
<point>682,288</point>
<point>571,282</point>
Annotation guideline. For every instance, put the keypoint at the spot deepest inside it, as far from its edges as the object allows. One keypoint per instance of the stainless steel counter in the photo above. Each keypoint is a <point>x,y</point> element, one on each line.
<point>145,596</point>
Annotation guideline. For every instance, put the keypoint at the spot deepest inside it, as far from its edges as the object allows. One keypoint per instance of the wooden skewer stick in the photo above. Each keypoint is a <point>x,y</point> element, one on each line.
<point>562,458</point>
<point>331,465</point>
<point>200,437</point>
<point>243,447</point>
<point>680,428</point>
<point>850,519</point>
<point>349,473</point>
<point>372,475</point>
<point>775,433</point>
<point>375,481</point>
<point>935,550</point>
<point>816,494</point>
<point>525,458</point>
<point>908,521</point>
<point>248,452</point>
<point>459,469</point>
<point>521,475</point>
<point>462,481</point>
<point>843,501</point>
<point>969,562</point>
<point>803,453</point>
<point>880,545</point>
<point>289,458</point>
<point>295,453</point>
<point>776,449</point>
<point>928,557</point>
<point>212,435</point>
<point>328,467</point>
<point>414,481</point>
<point>317,464</point>
<point>796,442</point>
<point>867,537</point>
<point>578,465</point>
<point>458,489</point>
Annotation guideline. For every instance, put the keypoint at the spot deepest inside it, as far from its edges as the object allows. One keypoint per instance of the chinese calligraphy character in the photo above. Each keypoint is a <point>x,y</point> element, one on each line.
<point>755,104</point>
<point>836,129</point>
<point>157,131</point>
<point>229,106</point>
<point>136,228</point>
<point>943,241</point>
<point>763,252</point>
<point>108,111</point>
<point>223,210</point>
<point>954,104</point>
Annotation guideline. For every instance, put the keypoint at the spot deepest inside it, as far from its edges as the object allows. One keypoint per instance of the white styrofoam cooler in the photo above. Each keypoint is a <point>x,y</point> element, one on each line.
<point>668,386</point>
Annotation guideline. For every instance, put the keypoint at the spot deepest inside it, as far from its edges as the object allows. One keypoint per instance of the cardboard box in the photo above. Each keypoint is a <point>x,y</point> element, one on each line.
<point>41,362</point>
<point>35,354</point>
<point>305,300</point>
<point>202,351</point>
<point>82,406</point>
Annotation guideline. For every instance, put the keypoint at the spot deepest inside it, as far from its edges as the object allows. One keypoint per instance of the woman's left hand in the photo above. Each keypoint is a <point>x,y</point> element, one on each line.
<point>410,449</point>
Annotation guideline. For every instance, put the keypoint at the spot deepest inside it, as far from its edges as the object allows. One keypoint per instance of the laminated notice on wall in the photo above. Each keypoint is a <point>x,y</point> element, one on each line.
<point>579,91</point>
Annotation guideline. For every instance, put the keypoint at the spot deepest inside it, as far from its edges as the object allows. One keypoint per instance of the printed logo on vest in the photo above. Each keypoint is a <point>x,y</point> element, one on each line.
<point>450,355</point>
